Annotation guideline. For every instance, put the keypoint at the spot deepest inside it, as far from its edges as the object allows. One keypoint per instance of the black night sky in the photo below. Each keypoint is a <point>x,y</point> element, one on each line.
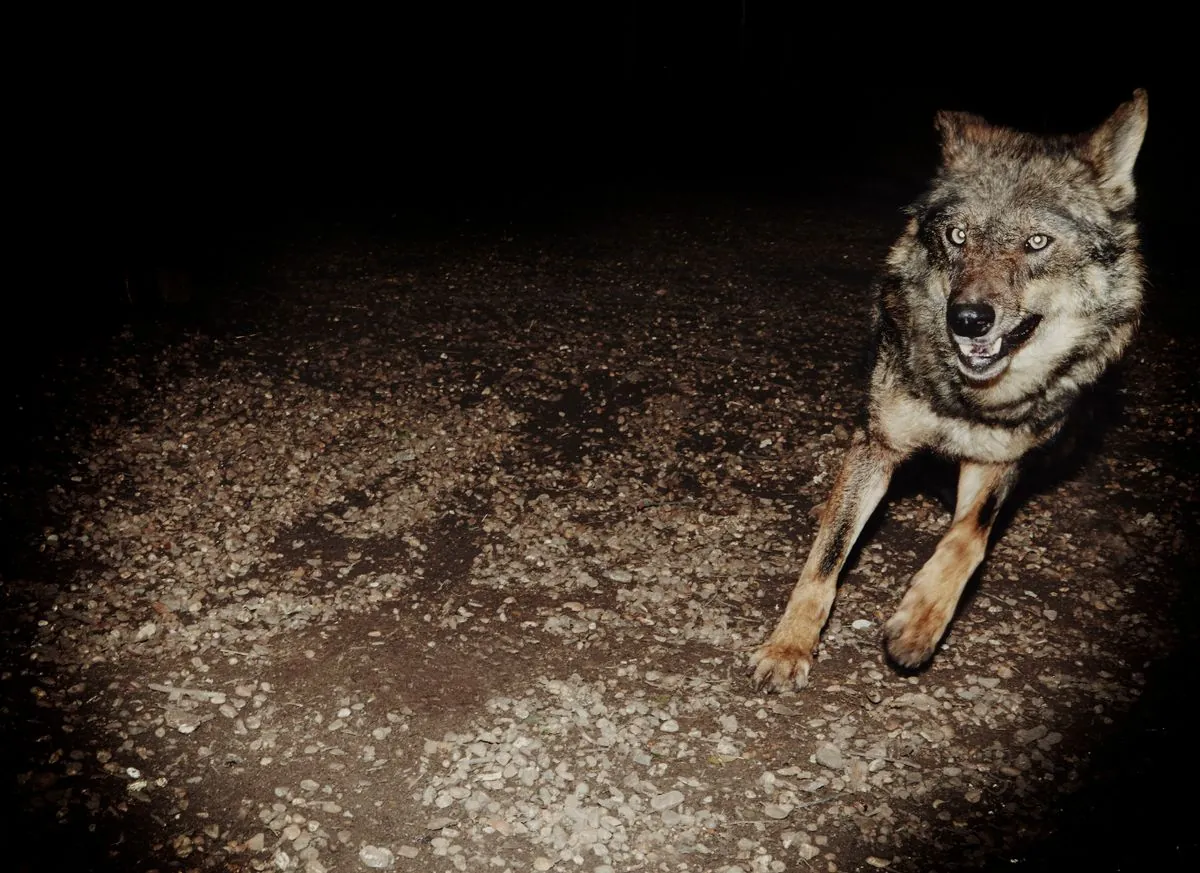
<point>203,138</point>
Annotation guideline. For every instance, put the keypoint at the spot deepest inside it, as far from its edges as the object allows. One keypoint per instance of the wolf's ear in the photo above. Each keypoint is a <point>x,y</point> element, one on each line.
<point>960,131</point>
<point>1113,148</point>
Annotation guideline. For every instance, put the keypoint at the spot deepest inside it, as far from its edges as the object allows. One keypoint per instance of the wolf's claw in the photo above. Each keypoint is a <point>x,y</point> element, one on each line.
<point>780,667</point>
<point>914,632</point>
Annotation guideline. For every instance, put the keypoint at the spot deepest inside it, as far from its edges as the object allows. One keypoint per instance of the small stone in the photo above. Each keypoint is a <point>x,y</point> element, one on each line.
<point>256,842</point>
<point>1051,739</point>
<point>808,851</point>
<point>1024,737</point>
<point>860,624</point>
<point>829,755</point>
<point>542,864</point>
<point>146,631</point>
<point>408,851</point>
<point>376,857</point>
<point>778,810</point>
<point>666,801</point>
<point>669,726</point>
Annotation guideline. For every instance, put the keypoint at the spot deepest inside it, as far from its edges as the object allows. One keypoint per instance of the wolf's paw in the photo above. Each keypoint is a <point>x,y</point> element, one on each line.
<point>779,666</point>
<point>914,632</point>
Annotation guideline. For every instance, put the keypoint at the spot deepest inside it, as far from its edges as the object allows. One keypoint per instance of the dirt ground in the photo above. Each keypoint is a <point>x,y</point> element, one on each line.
<point>445,550</point>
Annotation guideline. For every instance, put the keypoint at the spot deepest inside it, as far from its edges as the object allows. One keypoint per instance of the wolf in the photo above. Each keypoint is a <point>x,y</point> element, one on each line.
<point>1017,282</point>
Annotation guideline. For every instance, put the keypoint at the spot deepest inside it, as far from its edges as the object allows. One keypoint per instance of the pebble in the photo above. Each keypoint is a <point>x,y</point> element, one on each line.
<point>1028,735</point>
<point>666,800</point>
<point>829,755</point>
<point>146,631</point>
<point>376,857</point>
<point>808,851</point>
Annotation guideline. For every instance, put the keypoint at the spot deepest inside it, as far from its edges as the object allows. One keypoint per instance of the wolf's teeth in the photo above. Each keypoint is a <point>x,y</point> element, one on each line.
<point>973,349</point>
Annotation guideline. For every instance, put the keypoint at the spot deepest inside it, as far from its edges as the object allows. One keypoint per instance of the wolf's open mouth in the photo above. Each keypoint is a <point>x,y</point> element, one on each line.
<point>981,360</point>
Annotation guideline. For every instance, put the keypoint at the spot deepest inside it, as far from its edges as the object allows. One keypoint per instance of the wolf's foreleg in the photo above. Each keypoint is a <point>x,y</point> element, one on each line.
<point>918,625</point>
<point>786,656</point>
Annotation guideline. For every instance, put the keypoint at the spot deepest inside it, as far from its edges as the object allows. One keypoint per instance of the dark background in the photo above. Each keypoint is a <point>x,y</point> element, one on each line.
<point>177,141</point>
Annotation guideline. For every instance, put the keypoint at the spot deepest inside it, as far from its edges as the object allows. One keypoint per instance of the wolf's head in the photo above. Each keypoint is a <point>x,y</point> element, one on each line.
<point>1024,251</point>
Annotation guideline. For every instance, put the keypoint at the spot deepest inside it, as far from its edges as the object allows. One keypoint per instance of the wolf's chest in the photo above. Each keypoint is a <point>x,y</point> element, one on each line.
<point>909,424</point>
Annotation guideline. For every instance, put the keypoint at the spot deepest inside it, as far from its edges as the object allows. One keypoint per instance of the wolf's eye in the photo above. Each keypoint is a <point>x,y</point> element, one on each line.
<point>1037,242</point>
<point>956,235</point>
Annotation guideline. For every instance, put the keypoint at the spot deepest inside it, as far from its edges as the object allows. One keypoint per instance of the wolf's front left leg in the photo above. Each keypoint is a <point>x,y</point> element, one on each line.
<point>786,657</point>
<point>918,625</point>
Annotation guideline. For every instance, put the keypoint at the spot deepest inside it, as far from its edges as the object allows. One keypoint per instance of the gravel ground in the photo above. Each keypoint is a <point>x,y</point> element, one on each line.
<point>446,552</point>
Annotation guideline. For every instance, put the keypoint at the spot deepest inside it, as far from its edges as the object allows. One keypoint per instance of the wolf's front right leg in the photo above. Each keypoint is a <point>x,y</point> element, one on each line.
<point>925,612</point>
<point>786,657</point>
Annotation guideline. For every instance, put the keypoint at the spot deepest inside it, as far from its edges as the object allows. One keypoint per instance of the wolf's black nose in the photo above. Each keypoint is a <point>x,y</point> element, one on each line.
<point>970,319</point>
